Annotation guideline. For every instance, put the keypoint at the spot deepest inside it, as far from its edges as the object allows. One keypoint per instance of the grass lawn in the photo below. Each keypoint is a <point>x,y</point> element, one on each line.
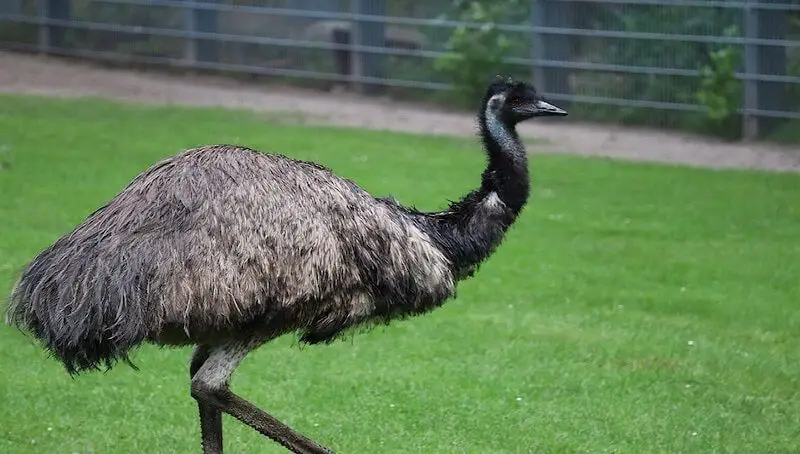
<point>634,308</point>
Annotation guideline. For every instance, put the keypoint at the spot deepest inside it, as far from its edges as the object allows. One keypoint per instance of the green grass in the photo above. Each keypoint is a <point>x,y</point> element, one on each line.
<point>634,308</point>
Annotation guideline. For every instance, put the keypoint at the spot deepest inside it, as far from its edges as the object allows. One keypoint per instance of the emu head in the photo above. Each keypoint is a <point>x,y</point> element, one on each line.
<point>513,101</point>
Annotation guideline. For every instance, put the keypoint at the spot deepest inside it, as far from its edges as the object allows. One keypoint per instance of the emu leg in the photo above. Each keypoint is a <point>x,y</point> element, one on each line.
<point>210,386</point>
<point>210,416</point>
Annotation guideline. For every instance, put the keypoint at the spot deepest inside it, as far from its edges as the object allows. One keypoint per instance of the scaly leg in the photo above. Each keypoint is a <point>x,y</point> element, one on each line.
<point>210,387</point>
<point>210,416</point>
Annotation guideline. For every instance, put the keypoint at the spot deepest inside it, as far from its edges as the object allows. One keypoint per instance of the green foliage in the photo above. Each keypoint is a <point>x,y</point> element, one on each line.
<point>720,91</point>
<point>718,85</point>
<point>715,88</point>
<point>474,55</point>
<point>20,33</point>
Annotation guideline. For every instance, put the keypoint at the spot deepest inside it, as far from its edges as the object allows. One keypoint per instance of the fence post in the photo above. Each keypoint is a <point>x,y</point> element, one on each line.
<point>52,36</point>
<point>554,47</point>
<point>772,59</point>
<point>537,45</point>
<point>764,59</point>
<point>202,20</point>
<point>190,44</point>
<point>368,33</point>
<point>750,120</point>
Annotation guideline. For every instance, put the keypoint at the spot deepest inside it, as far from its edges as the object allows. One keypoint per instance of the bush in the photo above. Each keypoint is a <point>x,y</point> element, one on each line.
<point>474,55</point>
<point>720,91</point>
<point>716,88</point>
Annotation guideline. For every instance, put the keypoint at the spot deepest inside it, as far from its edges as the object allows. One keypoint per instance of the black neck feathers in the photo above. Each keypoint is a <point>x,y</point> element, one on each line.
<point>472,228</point>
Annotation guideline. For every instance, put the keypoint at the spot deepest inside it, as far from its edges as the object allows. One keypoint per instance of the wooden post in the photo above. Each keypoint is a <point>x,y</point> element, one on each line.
<point>200,20</point>
<point>750,120</point>
<point>52,36</point>
<point>368,64</point>
<point>555,47</point>
<point>537,46</point>
<point>772,24</point>
<point>356,60</point>
<point>190,44</point>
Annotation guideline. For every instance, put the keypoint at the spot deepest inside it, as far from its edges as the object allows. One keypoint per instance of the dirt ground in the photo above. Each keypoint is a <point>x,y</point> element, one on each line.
<point>50,76</point>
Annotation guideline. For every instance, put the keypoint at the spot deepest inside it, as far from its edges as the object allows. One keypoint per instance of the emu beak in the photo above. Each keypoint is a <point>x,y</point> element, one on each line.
<point>545,109</point>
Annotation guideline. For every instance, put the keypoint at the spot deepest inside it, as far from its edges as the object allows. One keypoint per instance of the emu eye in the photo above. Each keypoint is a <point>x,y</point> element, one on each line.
<point>514,100</point>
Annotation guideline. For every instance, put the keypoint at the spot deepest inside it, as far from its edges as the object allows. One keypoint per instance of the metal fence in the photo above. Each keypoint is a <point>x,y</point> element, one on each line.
<point>691,64</point>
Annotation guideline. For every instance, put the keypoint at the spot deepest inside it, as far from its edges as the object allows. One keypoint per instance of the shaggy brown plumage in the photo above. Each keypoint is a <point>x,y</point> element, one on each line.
<point>226,248</point>
<point>219,238</point>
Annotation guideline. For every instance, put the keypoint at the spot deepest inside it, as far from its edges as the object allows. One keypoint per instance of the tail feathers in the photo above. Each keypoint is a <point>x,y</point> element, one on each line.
<point>82,316</point>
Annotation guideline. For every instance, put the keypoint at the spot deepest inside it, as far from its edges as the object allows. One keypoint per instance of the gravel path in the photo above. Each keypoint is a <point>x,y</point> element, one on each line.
<point>30,74</point>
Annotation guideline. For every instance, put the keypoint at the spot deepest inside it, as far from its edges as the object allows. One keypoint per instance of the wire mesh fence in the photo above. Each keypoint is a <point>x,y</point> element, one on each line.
<point>727,67</point>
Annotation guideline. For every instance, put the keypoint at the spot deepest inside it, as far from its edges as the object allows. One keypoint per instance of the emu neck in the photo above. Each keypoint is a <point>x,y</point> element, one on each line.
<point>472,228</point>
<point>507,171</point>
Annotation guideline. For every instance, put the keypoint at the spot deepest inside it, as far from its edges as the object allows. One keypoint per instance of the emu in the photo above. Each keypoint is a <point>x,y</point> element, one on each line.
<point>225,248</point>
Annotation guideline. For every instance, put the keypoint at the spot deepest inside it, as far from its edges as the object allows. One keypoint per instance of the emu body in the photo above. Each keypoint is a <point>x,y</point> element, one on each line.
<point>221,242</point>
<point>226,248</point>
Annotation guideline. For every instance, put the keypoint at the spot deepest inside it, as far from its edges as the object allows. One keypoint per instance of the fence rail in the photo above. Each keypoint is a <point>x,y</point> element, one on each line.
<point>632,61</point>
